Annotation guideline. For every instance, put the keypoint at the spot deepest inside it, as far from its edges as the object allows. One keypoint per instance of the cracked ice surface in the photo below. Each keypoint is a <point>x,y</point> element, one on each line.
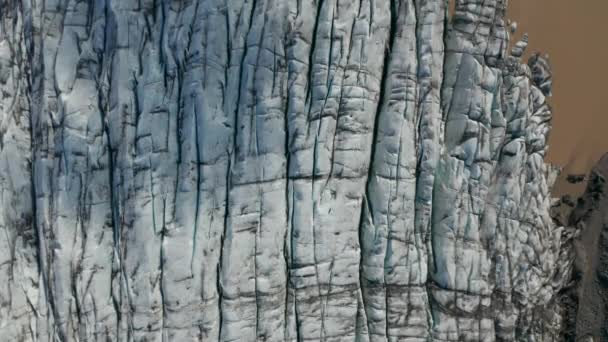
<point>274,170</point>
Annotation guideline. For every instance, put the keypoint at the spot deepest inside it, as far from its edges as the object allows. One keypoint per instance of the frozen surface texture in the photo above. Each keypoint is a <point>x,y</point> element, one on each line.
<point>274,170</point>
